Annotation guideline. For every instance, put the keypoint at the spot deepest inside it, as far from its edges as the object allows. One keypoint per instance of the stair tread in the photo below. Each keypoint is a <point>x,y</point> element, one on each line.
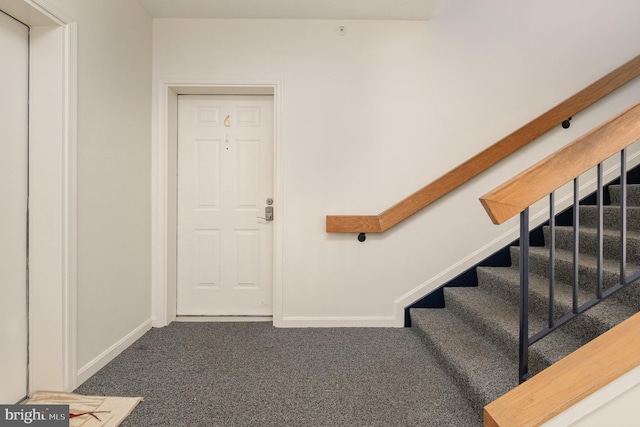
<point>612,206</point>
<point>587,268</point>
<point>588,241</point>
<point>585,259</point>
<point>539,265</point>
<point>603,316</point>
<point>609,232</point>
<point>563,292</point>
<point>482,370</point>
<point>633,194</point>
<point>499,319</point>
<point>611,213</point>
<point>476,336</point>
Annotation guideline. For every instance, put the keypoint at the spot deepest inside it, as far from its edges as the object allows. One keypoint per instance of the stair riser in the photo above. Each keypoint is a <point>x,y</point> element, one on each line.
<point>475,395</point>
<point>476,336</point>
<point>496,333</point>
<point>587,277</point>
<point>586,326</point>
<point>633,195</point>
<point>611,217</point>
<point>588,243</point>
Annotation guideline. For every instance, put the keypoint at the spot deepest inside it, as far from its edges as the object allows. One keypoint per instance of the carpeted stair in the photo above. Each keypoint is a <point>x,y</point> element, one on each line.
<point>475,336</point>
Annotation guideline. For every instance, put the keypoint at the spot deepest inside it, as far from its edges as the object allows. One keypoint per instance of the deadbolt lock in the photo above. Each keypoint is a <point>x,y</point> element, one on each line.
<point>268,213</point>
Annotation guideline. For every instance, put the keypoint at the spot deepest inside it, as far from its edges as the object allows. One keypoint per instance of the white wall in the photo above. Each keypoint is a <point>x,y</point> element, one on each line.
<point>114,45</point>
<point>369,117</point>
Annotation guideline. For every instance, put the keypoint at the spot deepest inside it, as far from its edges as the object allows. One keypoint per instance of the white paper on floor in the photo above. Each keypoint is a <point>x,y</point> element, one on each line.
<point>108,411</point>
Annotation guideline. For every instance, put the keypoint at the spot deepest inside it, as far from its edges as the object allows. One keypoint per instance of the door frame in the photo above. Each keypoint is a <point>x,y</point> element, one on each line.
<point>164,186</point>
<point>52,188</point>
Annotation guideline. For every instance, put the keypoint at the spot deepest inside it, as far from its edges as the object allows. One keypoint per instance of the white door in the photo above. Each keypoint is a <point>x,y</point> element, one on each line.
<point>14,52</point>
<point>225,187</point>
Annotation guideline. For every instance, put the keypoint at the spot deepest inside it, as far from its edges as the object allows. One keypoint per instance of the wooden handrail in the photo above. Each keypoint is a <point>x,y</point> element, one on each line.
<point>520,192</point>
<point>569,380</point>
<point>487,158</point>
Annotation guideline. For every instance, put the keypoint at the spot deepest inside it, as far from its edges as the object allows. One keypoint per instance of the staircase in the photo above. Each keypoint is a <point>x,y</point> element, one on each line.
<point>475,336</point>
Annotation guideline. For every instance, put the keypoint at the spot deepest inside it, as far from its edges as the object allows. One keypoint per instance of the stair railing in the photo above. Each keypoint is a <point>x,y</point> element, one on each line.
<point>543,179</point>
<point>560,114</point>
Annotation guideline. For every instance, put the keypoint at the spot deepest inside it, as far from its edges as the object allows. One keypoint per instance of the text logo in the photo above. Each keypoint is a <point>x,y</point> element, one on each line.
<point>34,415</point>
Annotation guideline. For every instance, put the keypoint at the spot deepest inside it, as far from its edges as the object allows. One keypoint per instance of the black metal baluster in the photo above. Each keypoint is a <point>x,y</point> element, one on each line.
<point>525,340</point>
<point>523,349</point>
<point>623,217</point>
<point>600,236</point>
<point>576,242</point>
<point>552,259</point>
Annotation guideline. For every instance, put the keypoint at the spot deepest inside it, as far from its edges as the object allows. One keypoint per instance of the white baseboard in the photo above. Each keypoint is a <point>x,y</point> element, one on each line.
<point>224,319</point>
<point>85,372</point>
<point>340,322</point>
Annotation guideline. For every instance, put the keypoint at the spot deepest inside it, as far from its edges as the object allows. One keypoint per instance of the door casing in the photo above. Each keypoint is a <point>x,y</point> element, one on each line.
<point>14,171</point>
<point>52,187</point>
<point>164,187</point>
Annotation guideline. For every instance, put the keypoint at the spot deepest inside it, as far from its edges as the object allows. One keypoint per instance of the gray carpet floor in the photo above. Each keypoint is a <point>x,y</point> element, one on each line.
<point>252,374</point>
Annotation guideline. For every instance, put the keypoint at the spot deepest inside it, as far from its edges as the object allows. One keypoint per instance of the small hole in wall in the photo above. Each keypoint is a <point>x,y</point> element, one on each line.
<point>342,30</point>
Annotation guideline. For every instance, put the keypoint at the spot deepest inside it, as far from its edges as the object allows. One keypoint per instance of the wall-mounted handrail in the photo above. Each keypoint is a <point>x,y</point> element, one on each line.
<point>520,192</point>
<point>485,159</point>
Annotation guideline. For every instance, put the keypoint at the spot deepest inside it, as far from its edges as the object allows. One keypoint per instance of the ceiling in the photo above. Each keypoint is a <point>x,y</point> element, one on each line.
<point>412,10</point>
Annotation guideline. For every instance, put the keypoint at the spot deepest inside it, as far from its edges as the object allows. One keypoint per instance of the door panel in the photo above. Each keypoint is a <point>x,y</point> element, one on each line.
<point>225,176</point>
<point>14,51</point>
